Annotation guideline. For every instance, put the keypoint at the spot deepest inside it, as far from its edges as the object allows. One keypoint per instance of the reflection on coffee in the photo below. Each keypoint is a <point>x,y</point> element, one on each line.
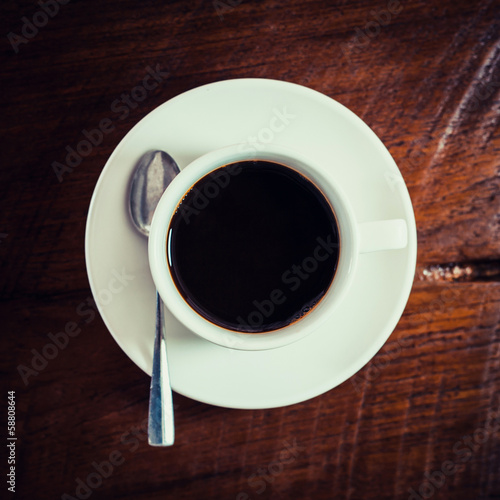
<point>253,246</point>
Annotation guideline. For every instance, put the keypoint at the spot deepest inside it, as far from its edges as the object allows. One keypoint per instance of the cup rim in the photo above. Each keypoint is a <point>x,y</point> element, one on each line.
<point>170,295</point>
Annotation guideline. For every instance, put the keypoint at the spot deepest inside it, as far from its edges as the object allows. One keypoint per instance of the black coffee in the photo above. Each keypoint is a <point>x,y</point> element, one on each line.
<point>253,246</point>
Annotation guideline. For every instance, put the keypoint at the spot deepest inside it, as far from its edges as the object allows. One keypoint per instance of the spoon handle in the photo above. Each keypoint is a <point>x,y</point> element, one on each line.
<point>161,411</point>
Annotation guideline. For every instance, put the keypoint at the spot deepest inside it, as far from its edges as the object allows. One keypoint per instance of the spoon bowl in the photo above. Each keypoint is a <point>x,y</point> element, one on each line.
<point>154,172</point>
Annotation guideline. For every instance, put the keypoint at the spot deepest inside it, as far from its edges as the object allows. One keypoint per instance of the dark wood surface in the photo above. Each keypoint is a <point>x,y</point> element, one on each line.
<point>426,78</point>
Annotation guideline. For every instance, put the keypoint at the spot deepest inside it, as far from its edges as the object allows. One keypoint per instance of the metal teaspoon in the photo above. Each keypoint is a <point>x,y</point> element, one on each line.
<point>153,173</point>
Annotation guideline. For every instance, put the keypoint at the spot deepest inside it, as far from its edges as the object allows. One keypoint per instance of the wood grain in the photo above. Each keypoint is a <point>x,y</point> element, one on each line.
<point>426,78</point>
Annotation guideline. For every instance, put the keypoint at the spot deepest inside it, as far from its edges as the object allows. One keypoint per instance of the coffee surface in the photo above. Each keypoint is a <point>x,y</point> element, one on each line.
<point>253,246</point>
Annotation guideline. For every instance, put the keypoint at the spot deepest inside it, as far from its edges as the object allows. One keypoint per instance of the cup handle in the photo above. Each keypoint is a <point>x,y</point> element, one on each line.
<point>382,235</point>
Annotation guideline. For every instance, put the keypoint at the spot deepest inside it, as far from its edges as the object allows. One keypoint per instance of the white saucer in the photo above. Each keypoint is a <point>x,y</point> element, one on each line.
<point>215,116</point>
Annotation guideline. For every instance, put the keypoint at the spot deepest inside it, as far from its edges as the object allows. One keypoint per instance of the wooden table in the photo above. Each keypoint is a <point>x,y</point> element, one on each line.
<point>422,419</point>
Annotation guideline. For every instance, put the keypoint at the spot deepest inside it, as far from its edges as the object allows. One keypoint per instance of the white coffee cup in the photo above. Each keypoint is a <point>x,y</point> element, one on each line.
<point>355,238</point>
